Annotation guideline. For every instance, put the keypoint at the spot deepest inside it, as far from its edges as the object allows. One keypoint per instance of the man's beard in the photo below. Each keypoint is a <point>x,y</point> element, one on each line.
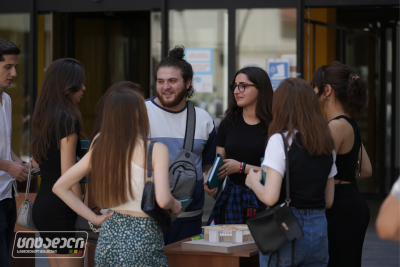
<point>170,104</point>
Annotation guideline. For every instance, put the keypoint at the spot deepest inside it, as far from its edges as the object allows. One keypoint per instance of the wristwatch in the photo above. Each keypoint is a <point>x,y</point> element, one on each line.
<point>23,162</point>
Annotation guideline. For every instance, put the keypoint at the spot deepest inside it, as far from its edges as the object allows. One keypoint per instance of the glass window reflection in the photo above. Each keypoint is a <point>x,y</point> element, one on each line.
<point>264,34</point>
<point>204,33</point>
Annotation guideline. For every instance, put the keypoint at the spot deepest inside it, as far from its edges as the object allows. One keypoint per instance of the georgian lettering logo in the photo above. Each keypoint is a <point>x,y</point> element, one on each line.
<point>31,245</point>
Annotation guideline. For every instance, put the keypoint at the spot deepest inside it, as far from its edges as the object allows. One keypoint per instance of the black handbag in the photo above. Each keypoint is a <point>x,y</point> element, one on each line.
<point>149,204</point>
<point>82,225</point>
<point>277,226</point>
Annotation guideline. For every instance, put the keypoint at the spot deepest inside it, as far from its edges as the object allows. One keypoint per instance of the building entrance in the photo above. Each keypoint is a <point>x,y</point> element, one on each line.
<point>112,46</point>
<point>367,40</point>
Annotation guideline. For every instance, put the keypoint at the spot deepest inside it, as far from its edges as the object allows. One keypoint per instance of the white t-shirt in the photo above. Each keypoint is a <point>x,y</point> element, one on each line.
<point>275,158</point>
<point>7,182</point>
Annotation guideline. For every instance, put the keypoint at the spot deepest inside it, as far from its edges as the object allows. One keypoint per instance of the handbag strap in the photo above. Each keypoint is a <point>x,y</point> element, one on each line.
<point>28,181</point>
<point>149,162</point>
<point>287,200</point>
<point>190,126</point>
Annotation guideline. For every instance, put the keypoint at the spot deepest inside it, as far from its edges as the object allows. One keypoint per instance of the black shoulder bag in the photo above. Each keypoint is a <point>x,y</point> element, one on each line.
<point>149,204</point>
<point>277,226</point>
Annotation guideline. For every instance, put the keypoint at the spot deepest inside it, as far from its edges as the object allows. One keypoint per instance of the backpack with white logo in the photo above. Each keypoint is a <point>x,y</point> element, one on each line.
<point>182,169</point>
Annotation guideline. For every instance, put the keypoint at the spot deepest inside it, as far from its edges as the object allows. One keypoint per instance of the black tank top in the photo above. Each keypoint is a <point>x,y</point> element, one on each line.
<point>308,177</point>
<point>346,163</point>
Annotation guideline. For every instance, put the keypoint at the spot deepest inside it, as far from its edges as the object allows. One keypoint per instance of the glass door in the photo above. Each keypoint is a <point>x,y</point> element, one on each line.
<point>112,46</point>
<point>370,47</point>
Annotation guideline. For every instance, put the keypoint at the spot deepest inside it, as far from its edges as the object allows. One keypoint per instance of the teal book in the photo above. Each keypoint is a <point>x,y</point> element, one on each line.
<point>212,180</point>
<point>185,203</point>
<point>85,144</point>
<point>264,174</point>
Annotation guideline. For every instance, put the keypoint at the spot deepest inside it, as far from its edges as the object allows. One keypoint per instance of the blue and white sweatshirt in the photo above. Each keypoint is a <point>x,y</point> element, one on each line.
<point>168,127</point>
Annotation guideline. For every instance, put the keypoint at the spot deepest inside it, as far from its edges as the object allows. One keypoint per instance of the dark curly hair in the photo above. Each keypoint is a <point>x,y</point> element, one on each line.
<point>176,59</point>
<point>350,89</point>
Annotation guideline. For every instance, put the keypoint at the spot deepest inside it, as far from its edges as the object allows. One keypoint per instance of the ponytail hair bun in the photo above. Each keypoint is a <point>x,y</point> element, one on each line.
<point>349,89</point>
<point>356,95</point>
<point>178,52</point>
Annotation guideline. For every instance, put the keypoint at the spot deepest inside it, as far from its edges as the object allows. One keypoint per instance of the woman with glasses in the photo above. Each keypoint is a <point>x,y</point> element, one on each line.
<point>241,141</point>
<point>343,95</point>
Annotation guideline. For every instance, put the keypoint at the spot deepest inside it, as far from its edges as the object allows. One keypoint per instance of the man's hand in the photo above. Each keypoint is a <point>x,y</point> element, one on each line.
<point>18,171</point>
<point>26,165</point>
<point>210,192</point>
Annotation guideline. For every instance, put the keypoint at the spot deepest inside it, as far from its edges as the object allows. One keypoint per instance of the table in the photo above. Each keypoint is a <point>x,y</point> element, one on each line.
<point>180,258</point>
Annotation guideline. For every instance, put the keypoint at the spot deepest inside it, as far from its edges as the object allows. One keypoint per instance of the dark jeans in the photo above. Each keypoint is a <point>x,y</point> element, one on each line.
<point>181,230</point>
<point>8,217</point>
<point>311,250</point>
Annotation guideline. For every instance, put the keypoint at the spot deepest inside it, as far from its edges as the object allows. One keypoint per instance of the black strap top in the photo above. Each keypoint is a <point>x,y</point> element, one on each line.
<point>346,163</point>
<point>308,177</point>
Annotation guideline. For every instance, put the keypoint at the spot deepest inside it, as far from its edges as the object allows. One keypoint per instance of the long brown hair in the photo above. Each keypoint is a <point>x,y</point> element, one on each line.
<point>100,105</point>
<point>261,80</point>
<point>125,123</point>
<point>295,107</point>
<point>64,77</point>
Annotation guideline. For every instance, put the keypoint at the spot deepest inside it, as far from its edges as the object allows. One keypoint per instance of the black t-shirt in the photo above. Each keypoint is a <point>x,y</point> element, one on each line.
<point>50,213</point>
<point>244,143</point>
<point>51,168</point>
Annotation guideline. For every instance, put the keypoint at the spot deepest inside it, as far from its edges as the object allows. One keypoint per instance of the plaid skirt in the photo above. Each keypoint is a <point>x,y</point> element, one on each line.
<point>237,198</point>
<point>126,240</point>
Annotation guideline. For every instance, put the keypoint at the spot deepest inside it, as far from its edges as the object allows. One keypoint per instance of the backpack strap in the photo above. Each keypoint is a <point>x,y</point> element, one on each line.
<point>149,162</point>
<point>190,126</point>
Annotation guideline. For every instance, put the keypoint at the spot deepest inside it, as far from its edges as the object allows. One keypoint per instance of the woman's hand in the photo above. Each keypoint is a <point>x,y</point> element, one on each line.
<point>176,208</point>
<point>253,178</point>
<point>231,166</point>
<point>101,218</point>
<point>210,192</point>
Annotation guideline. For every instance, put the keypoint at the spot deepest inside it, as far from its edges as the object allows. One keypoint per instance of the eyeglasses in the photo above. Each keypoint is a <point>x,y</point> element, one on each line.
<point>241,86</point>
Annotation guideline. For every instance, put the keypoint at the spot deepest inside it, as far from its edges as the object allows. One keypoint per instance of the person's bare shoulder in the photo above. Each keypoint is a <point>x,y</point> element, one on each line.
<point>340,127</point>
<point>160,148</point>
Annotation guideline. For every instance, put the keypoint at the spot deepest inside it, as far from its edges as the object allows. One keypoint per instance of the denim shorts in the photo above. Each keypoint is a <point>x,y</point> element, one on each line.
<point>311,250</point>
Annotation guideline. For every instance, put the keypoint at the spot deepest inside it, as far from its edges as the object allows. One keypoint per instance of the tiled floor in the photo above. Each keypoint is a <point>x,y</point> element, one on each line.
<point>376,252</point>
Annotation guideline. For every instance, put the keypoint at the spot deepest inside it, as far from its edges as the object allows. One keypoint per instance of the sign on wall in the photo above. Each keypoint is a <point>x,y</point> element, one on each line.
<point>278,70</point>
<point>201,60</point>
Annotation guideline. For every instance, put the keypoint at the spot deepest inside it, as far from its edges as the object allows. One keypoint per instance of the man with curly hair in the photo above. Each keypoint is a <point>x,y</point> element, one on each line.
<point>167,115</point>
